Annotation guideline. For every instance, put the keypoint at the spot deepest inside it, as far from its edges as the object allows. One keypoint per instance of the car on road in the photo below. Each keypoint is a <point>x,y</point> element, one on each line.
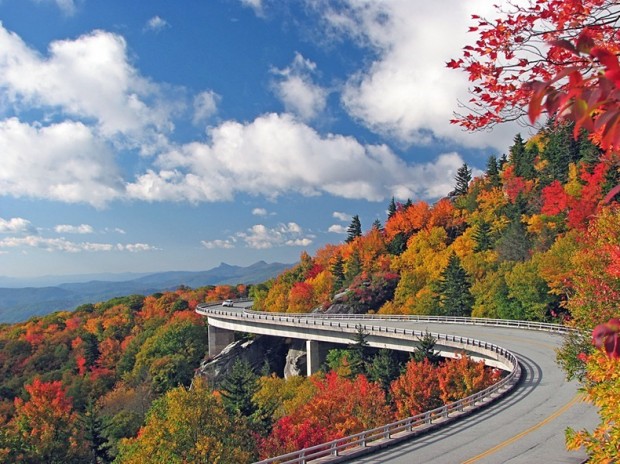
<point>227,303</point>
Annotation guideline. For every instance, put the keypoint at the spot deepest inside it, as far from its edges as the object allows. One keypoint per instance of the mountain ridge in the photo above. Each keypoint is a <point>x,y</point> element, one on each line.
<point>20,303</point>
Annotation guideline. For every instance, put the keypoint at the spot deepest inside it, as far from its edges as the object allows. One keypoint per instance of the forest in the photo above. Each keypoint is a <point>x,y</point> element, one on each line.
<point>529,239</point>
<point>536,236</point>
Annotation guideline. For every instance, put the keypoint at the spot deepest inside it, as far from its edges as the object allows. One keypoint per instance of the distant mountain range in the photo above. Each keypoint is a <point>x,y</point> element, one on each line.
<point>19,302</point>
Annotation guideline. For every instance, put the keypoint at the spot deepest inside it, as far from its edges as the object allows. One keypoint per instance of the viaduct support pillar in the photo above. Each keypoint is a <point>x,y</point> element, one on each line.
<point>313,357</point>
<point>219,339</point>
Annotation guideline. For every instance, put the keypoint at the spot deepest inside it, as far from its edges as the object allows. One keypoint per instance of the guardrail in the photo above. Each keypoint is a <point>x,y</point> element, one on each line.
<point>368,440</point>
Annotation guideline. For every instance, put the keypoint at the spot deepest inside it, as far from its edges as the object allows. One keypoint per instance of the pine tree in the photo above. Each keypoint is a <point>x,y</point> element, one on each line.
<point>492,171</point>
<point>522,158</point>
<point>337,270</point>
<point>455,299</point>
<point>358,352</point>
<point>377,225</point>
<point>462,178</point>
<point>391,208</point>
<point>94,432</point>
<point>354,230</point>
<point>426,349</point>
<point>384,369</point>
<point>482,237</point>
<point>238,387</point>
<point>353,267</point>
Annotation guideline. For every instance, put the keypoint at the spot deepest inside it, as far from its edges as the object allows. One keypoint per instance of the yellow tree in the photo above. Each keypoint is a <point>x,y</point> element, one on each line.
<point>189,425</point>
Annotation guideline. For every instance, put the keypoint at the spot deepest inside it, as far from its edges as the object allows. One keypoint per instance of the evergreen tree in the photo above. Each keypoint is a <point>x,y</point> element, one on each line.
<point>337,270</point>
<point>377,225</point>
<point>391,208</point>
<point>426,349</point>
<point>492,171</point>
<point>238,388</point>
<point>514,244</point>
<point>353,267</point>
<point>482,237</point>
<point>455,298</point>
<point>398,244</point>
<point>94,432</point>
<point>359,352</point>
<point>408,204</point>
<point>354,230</point>
<point>522,159</point>
<point>462,178</point>
<point>384,369</point>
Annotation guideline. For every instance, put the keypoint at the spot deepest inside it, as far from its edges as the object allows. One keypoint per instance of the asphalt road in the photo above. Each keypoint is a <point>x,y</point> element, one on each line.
<point>527,427</point>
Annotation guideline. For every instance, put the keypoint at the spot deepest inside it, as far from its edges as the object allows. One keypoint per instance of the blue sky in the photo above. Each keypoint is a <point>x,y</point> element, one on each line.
<point>151,136</point>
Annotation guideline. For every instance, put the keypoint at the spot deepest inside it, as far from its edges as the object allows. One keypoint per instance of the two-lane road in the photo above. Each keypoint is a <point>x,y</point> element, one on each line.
<point>524,428</point>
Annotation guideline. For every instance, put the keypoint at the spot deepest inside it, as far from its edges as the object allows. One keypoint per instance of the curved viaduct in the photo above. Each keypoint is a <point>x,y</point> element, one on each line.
<point>525,426</point>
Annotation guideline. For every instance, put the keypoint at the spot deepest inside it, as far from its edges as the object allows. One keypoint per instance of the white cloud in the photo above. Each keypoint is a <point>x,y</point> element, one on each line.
<point>89,78</point>
<point>225,244</point>
<point>69,229</point>
<point>67,246</point>
<point>276,154</point>
<point>407,92</point>
<point>341,216</point>
<point>262,237</point>
<point>337,229</point>
<point>297,91</point>
<point>205,106</point>
<point>156,24</point>
<point>259,212</point>
<point>64,162</point>
<point>256,5</point>
<point>66,6</point>
<point>15,226</point>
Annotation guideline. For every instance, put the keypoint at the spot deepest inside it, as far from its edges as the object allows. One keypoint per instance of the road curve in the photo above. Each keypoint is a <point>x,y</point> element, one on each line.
<point>525,427</point>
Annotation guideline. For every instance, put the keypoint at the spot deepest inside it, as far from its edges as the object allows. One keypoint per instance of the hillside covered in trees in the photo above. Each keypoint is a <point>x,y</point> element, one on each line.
<point>533,238</point>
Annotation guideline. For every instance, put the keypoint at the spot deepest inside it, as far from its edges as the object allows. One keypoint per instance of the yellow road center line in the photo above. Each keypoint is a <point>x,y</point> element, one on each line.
<point>511,440</point>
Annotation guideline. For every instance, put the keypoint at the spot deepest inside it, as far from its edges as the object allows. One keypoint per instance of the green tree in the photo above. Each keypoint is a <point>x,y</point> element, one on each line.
<point>482,237</point>
<point>391,208</point>
<point>462,178</point>
<point>492,171</point>
<point>426,349</point>
<point>359,352</point>
<point>522,158</point>
<point>238,388</point>
<point>94,428</point>
<point>455,298</point>
<point>384,369</point>
<point>354,230</point>
<point>337,270</point>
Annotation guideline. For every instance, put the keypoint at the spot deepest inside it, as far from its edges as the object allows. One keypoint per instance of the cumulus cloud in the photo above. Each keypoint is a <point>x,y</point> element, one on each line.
<point>295,88</point>
<point>64,162</point>
<point>276,154</point>
<point>67,246</point>
<point>205,106</point>
<point>69,229</point>
<point>407,92</point>
<point>156,24</point>
<point>262,237</point>
<point>337,229</point>
<point>89,78</point>
<point>15,226</point>
<point>259,212</point>
<point>341,216</point>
